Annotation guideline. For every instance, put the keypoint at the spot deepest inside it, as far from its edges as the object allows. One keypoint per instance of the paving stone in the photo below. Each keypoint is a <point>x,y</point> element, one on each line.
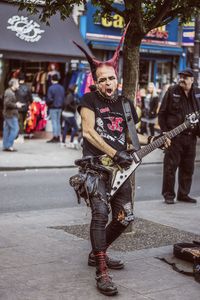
<point>185,292</point>
<point>38,262</point>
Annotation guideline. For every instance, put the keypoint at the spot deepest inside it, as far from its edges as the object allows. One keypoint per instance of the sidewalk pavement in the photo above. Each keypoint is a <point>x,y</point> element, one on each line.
<point>36,153</point>
<point>38,262</point>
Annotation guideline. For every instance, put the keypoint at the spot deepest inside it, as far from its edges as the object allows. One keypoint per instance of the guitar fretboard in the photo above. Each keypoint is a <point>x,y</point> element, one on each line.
<point>160,141</point>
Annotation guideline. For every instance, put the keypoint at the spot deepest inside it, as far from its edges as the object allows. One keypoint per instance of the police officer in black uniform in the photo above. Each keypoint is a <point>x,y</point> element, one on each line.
<point>180,100</point>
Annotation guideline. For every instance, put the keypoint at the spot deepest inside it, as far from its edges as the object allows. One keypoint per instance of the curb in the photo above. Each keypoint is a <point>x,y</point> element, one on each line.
<point>64,167</point>
<point>35,167</point>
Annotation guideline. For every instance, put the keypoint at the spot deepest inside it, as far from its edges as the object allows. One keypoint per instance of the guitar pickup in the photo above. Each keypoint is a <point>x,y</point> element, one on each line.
<point>136,158</point>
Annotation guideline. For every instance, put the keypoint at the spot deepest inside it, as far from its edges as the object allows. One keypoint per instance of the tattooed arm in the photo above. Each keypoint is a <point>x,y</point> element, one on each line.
<point>88,123</point>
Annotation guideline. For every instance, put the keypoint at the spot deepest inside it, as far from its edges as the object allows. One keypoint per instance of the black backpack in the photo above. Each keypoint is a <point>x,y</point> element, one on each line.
<point>189,252</point>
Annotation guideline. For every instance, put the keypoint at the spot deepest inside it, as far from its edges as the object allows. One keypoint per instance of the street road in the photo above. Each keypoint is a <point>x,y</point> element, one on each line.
<point>49,188</point>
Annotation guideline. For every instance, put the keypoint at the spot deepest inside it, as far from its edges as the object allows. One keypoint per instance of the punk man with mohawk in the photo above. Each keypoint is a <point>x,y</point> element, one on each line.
<point>105,131</point>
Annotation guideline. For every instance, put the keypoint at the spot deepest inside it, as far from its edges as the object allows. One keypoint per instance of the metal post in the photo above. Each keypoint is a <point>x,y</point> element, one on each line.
<point>196,57</point>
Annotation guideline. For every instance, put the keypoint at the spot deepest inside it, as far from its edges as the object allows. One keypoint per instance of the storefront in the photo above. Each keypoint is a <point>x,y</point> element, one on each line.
<point>32,47</point>
<point>161,53</point>
<point>29,45</point>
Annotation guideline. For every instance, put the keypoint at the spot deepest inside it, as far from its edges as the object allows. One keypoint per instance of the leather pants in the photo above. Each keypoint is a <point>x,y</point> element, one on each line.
<point>101,234</point>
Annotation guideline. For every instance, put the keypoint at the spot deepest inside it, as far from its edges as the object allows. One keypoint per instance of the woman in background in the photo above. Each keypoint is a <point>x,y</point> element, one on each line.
<point>68,116</point>
<point>149,110</point>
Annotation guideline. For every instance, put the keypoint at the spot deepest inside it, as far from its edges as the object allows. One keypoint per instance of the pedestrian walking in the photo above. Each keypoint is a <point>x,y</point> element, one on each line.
<point>11,115</point>
<point>55,100</point>
<point>105,132</point>
<point>68,116</point>
<point>180,100</point>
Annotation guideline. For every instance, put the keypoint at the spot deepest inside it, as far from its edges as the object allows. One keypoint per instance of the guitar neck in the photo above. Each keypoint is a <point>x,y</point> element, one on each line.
<point>160,141</point>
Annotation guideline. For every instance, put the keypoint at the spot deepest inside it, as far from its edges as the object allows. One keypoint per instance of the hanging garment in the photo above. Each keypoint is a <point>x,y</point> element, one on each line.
<point>89,82</point>
<point>36,117</point>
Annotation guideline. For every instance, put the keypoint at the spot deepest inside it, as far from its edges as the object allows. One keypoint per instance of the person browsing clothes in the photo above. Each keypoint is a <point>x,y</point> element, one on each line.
<point>23,95</point>
<point>55,100</point>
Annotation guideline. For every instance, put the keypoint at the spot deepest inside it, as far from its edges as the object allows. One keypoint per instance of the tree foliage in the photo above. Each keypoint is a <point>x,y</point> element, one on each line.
<point>152,12</point>
<point>142,15</point>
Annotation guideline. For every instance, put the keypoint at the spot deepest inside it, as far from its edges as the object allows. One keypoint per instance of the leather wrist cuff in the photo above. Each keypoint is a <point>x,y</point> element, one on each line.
<point>115,157</point>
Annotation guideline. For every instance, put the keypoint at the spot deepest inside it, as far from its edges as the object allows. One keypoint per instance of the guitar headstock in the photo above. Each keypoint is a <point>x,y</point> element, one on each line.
<point>193,118</point>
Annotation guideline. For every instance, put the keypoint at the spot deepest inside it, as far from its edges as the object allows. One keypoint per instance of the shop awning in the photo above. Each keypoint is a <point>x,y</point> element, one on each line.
<point>162,49</point>
<point>23,36</point>
<point>154,49</point>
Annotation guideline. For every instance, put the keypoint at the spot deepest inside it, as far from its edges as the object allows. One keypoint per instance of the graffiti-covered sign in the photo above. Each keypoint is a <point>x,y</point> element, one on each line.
<point>25,29</point>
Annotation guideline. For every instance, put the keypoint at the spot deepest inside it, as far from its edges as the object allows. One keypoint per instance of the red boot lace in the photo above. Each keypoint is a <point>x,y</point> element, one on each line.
<point>102,267</point>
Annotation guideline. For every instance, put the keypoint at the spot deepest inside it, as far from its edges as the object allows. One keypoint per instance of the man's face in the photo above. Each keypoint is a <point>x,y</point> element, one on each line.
<point>106,81</point>
<point>185,82</point>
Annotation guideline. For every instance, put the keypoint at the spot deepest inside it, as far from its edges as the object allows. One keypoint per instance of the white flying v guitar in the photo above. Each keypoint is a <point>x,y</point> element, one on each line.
<point>117,175</point>
<point>122,175</point>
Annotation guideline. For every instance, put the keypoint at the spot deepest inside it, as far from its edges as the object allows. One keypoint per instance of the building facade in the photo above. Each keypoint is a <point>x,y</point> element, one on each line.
<point>30,45</point>
<point>163,51</point>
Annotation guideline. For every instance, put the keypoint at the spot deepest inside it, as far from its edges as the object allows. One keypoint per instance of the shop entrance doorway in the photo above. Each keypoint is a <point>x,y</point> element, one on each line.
<point>163,70</point>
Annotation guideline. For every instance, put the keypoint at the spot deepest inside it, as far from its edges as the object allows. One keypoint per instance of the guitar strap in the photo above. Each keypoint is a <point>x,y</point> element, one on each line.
<point>196,96</point>
<point>130,123</point>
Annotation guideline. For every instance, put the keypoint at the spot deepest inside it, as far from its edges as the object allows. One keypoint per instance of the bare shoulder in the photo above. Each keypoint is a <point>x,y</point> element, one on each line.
<point>86,113</point>
<point>87,118</point>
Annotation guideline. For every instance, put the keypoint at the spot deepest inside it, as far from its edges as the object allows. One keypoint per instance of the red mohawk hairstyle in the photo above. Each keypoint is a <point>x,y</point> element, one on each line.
<point>113,62</point>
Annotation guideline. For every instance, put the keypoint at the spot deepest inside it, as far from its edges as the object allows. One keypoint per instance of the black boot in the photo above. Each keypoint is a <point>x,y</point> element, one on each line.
<point>104,281</point>
<point>111,263</point>
<point>187,199</point>
<point>53,140</point>
<point>196,269</point>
